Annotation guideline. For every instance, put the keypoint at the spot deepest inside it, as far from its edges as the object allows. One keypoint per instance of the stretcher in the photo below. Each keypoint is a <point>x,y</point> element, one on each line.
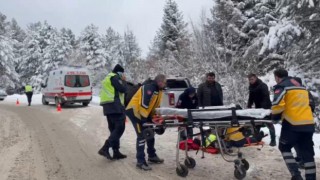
<point>215,120</point>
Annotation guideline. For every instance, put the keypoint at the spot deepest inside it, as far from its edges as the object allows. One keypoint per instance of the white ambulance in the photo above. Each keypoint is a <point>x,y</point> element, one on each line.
<point>67,85</point>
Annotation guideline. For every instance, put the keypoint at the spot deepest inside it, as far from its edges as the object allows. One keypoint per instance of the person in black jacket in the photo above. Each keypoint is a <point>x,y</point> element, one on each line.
<point>210,92</point>
<point>187,100</point>
<point>112,101</point>
<point>259,96</point>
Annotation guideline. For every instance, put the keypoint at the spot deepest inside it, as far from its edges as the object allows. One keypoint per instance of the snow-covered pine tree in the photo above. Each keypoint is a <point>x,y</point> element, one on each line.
<point>131,50</point>
<point>91,48</point>
<point>171,46</point>
<point>92,53</point>
<point>43,51</point>
<point>17,34</point>
<point>133,63</point>
<point>112,43</point>
<point>8,76</point>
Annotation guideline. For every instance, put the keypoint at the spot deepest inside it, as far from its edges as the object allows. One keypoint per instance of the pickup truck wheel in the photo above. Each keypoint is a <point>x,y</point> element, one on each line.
<point>44,102</point>
<point>85,103</point>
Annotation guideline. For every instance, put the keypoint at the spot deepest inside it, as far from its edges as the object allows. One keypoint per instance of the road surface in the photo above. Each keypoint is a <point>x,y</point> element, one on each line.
<point>38,143</point>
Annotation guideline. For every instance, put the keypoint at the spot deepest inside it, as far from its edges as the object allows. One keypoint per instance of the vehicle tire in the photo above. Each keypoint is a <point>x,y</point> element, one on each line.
<point>190,162</point>
<point>85,104</point>
<point>160,130</point>
<point>148,133</point>
<point>44,102</point>
<point>245,163</point>
<point>183,171</point>
<point>238,174</point>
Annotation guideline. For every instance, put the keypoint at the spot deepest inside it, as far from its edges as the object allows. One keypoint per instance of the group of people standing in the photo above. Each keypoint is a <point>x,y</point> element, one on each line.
<point>291,104</point>
<point>210,94</point>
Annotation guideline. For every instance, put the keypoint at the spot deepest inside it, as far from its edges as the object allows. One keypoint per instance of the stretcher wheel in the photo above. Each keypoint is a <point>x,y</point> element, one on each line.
<point>148,133</point>
<point>240,175</point>
<point>182,171</point>
<point>245,163</point>
<point>160,130</point>
<point>190,162</point>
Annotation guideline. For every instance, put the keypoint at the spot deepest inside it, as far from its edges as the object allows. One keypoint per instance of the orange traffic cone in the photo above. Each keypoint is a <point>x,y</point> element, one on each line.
<point>59,108</point>
<point>17,102</point>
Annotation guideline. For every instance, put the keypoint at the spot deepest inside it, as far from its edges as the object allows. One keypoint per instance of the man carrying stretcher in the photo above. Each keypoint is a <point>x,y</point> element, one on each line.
<point>291,105</point>
<point>140,110</point>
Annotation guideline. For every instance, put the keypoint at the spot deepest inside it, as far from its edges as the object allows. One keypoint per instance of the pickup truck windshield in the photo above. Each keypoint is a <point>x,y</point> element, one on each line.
<point>176,84</point>
<point>77,81</point>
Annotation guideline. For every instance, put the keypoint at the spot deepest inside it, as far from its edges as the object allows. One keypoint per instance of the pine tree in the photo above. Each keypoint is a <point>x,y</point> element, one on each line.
<point>171,46</point>
<point>112,48</point>
<point>131,50</point>
<point>8,76</point>
<point>91,48</point>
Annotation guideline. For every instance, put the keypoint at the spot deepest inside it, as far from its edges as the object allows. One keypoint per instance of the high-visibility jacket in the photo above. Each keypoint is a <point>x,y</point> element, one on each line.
<point>145,101</point>
<point>107,93</point>
<point>28,88</point>
<point>210,139</point>
<point>291,104</point>
<point>233,134</point>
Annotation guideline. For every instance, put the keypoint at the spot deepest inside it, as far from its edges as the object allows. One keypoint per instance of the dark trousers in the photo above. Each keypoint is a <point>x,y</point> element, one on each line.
<point>116,124</point>
<point>29,97</point>
<point>302,140</point>
<point>140,146</point>
<point>272,130</point>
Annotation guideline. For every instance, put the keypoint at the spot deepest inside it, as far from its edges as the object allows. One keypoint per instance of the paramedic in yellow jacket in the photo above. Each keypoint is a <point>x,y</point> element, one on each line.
<point>291,105</point>
<point>140,110</point>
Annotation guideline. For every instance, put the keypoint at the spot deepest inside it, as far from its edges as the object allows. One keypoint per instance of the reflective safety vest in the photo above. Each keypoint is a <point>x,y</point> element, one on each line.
<point>210,139</point>
<point>28,88</point>
<point>107,93</point>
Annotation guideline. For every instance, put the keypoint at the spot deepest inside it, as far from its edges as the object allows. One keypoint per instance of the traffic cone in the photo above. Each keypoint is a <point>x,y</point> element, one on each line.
<point>17,102</point>
<point>59,108</point>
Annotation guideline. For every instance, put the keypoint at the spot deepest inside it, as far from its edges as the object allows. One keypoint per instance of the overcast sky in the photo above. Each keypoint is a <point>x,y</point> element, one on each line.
<point>144,17</point>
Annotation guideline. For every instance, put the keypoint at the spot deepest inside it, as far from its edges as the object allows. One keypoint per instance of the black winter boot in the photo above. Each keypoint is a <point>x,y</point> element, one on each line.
<point>118,155</point>
<point>104,151</point>
<point>273,143</point>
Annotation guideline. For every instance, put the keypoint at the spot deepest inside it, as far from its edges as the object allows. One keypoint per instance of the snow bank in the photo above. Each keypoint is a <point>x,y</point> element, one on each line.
<point>36,99</point>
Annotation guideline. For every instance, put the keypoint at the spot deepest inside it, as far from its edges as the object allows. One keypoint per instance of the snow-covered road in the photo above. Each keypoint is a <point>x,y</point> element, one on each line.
<point>39,143</point>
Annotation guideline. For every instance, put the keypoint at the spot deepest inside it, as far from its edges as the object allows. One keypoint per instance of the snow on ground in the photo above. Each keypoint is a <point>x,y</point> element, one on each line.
<point>316,139</point>
<point>80,121</point>
<point>36,99</point>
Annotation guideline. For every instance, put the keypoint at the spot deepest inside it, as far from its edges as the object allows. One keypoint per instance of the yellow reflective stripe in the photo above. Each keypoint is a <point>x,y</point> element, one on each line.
<point>138,128</point>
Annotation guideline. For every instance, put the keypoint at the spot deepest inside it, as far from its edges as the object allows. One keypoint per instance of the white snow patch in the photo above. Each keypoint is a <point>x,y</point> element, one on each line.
<point>36,99</point>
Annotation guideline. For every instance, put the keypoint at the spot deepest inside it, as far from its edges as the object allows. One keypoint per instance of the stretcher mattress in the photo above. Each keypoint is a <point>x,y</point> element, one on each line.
<point>216,114</point>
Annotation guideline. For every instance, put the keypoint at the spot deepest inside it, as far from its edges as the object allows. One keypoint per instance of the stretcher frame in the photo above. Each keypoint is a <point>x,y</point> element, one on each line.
<point>241,165</point>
